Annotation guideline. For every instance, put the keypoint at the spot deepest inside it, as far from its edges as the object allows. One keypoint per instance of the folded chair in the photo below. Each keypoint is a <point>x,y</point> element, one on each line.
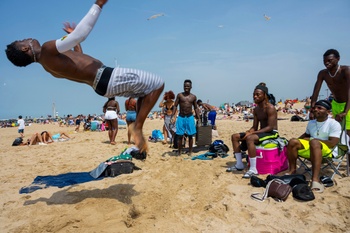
<point>340,154</point>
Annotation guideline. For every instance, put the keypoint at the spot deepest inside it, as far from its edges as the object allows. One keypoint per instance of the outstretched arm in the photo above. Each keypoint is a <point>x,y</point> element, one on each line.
<point>82,30</point>
<point>315,93</point>
<point>69,29</point>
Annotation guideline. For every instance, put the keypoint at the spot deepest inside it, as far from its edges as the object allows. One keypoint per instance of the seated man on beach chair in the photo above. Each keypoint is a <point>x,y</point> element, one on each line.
<point>264,114</point>
<point>321,136</point>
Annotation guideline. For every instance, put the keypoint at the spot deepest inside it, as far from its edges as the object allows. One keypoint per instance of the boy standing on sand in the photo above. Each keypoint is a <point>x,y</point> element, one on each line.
<point>185,123</point>
<point>21,126</point>
<point>337,78</point>
<point>58,58</point>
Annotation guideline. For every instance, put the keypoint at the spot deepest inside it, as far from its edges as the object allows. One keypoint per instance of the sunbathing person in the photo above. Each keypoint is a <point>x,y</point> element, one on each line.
<point>47,137</point>
<point>35,139</point>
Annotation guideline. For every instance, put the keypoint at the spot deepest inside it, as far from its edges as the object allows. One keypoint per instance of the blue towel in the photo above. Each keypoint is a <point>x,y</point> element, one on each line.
<point>60,181</point>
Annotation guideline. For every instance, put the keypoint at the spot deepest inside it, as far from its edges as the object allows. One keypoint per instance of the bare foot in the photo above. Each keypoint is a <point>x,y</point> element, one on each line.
<point>113,143</point>
<point>140,141</point>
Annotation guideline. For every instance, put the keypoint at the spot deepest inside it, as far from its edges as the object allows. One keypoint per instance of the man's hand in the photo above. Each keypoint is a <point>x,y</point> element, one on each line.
<point>339,117</point>
<point>68,27</point>
<point>100,3</point>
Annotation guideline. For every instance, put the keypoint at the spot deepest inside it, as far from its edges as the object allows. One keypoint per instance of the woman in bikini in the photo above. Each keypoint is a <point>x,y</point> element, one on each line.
<point>130,107</point>
<point>167,104</point>
<point>111,110</point>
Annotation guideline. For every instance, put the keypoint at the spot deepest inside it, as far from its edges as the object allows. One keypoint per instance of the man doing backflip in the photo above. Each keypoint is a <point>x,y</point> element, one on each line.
<point>58,58</point>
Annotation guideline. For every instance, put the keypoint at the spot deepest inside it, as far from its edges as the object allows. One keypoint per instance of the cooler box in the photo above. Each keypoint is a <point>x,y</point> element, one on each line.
<point>203,137</point>
<point>270,160</point>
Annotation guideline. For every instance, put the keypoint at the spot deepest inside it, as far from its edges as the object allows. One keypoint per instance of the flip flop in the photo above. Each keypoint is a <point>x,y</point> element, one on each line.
<point>317,187</point>
<point>326,181</point>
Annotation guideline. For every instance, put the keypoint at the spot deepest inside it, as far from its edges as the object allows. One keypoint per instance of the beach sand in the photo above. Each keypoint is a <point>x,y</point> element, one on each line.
<point>169,194</point>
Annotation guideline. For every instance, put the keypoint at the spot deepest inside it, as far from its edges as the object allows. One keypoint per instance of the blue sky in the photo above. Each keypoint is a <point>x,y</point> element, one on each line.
<point>225,47</point>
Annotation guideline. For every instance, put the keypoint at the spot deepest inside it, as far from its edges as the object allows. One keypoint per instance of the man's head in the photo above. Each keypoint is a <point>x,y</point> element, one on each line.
<point>199,102</point>
<point>19,117</point>
<point>187,85</point>
<point>322,109</point>
<point>332,52</point>
<point>331,58</point>
<point>260,94</point>
<point>21,53</point>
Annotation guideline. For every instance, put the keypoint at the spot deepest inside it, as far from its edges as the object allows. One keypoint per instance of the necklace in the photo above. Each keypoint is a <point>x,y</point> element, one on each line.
<point>319,127</point>
<point>31,47</point>
<point>332,76</point>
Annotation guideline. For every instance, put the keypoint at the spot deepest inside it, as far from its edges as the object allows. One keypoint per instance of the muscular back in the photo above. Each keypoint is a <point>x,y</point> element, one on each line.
<point>71,65</point>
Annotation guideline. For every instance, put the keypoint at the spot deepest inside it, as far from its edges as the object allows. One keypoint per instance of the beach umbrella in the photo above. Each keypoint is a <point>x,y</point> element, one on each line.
<point>244,103</point>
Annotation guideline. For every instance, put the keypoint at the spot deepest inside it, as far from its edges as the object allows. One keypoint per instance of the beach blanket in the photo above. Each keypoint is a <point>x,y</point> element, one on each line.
<point>60,181</point>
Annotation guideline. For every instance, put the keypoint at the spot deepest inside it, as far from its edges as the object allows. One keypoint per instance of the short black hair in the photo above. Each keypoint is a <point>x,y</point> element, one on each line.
<point>330,52</point>
<point>188,81</point>
<point>199,101</point>
<point>16,56</point>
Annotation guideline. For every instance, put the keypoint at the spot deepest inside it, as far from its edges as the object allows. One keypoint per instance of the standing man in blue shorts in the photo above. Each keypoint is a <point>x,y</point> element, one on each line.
<point>211,112</point>
<point>58,58</point>
<point>185,123</point>
<point>337,78</point>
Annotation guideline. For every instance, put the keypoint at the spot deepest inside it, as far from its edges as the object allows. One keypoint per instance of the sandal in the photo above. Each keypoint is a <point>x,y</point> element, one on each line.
<point>249,174</point>
<point>234,168</point>
<point>326,181</point>
<point>317,187</point>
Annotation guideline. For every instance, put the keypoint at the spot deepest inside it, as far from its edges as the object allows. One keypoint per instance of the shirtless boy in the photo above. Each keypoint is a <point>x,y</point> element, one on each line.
<point>185,123</point>
<point>337,78</point>
<point>265,115</point>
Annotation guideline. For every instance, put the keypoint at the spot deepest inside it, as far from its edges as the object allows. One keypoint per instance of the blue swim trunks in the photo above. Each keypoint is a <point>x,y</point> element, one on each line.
<point>212,117</point>
<point>185,125</point>
<point>131,116</point>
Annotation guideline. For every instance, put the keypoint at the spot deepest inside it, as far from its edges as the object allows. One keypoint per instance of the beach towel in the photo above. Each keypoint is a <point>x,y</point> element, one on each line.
<point>60,181</point>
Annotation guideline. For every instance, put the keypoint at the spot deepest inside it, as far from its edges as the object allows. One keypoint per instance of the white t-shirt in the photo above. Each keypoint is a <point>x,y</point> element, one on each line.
<point>323,130</point>
<point>20,123</point>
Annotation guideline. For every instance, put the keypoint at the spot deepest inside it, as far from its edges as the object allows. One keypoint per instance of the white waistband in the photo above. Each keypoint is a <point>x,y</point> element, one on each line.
<point>98,76</point>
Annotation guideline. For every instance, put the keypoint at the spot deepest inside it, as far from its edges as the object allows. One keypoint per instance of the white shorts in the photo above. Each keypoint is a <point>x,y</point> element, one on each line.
<point>111,115</point>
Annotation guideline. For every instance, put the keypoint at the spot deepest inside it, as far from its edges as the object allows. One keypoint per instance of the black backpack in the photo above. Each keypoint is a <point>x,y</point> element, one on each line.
<point>272,99</point>
<point>219,148</point>
<point>296,118</point>
<point>120,167</point>
<point>17,142</point>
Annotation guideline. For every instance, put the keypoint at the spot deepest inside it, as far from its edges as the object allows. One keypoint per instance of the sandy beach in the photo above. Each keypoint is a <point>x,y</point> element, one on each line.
<point>169,194</point>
